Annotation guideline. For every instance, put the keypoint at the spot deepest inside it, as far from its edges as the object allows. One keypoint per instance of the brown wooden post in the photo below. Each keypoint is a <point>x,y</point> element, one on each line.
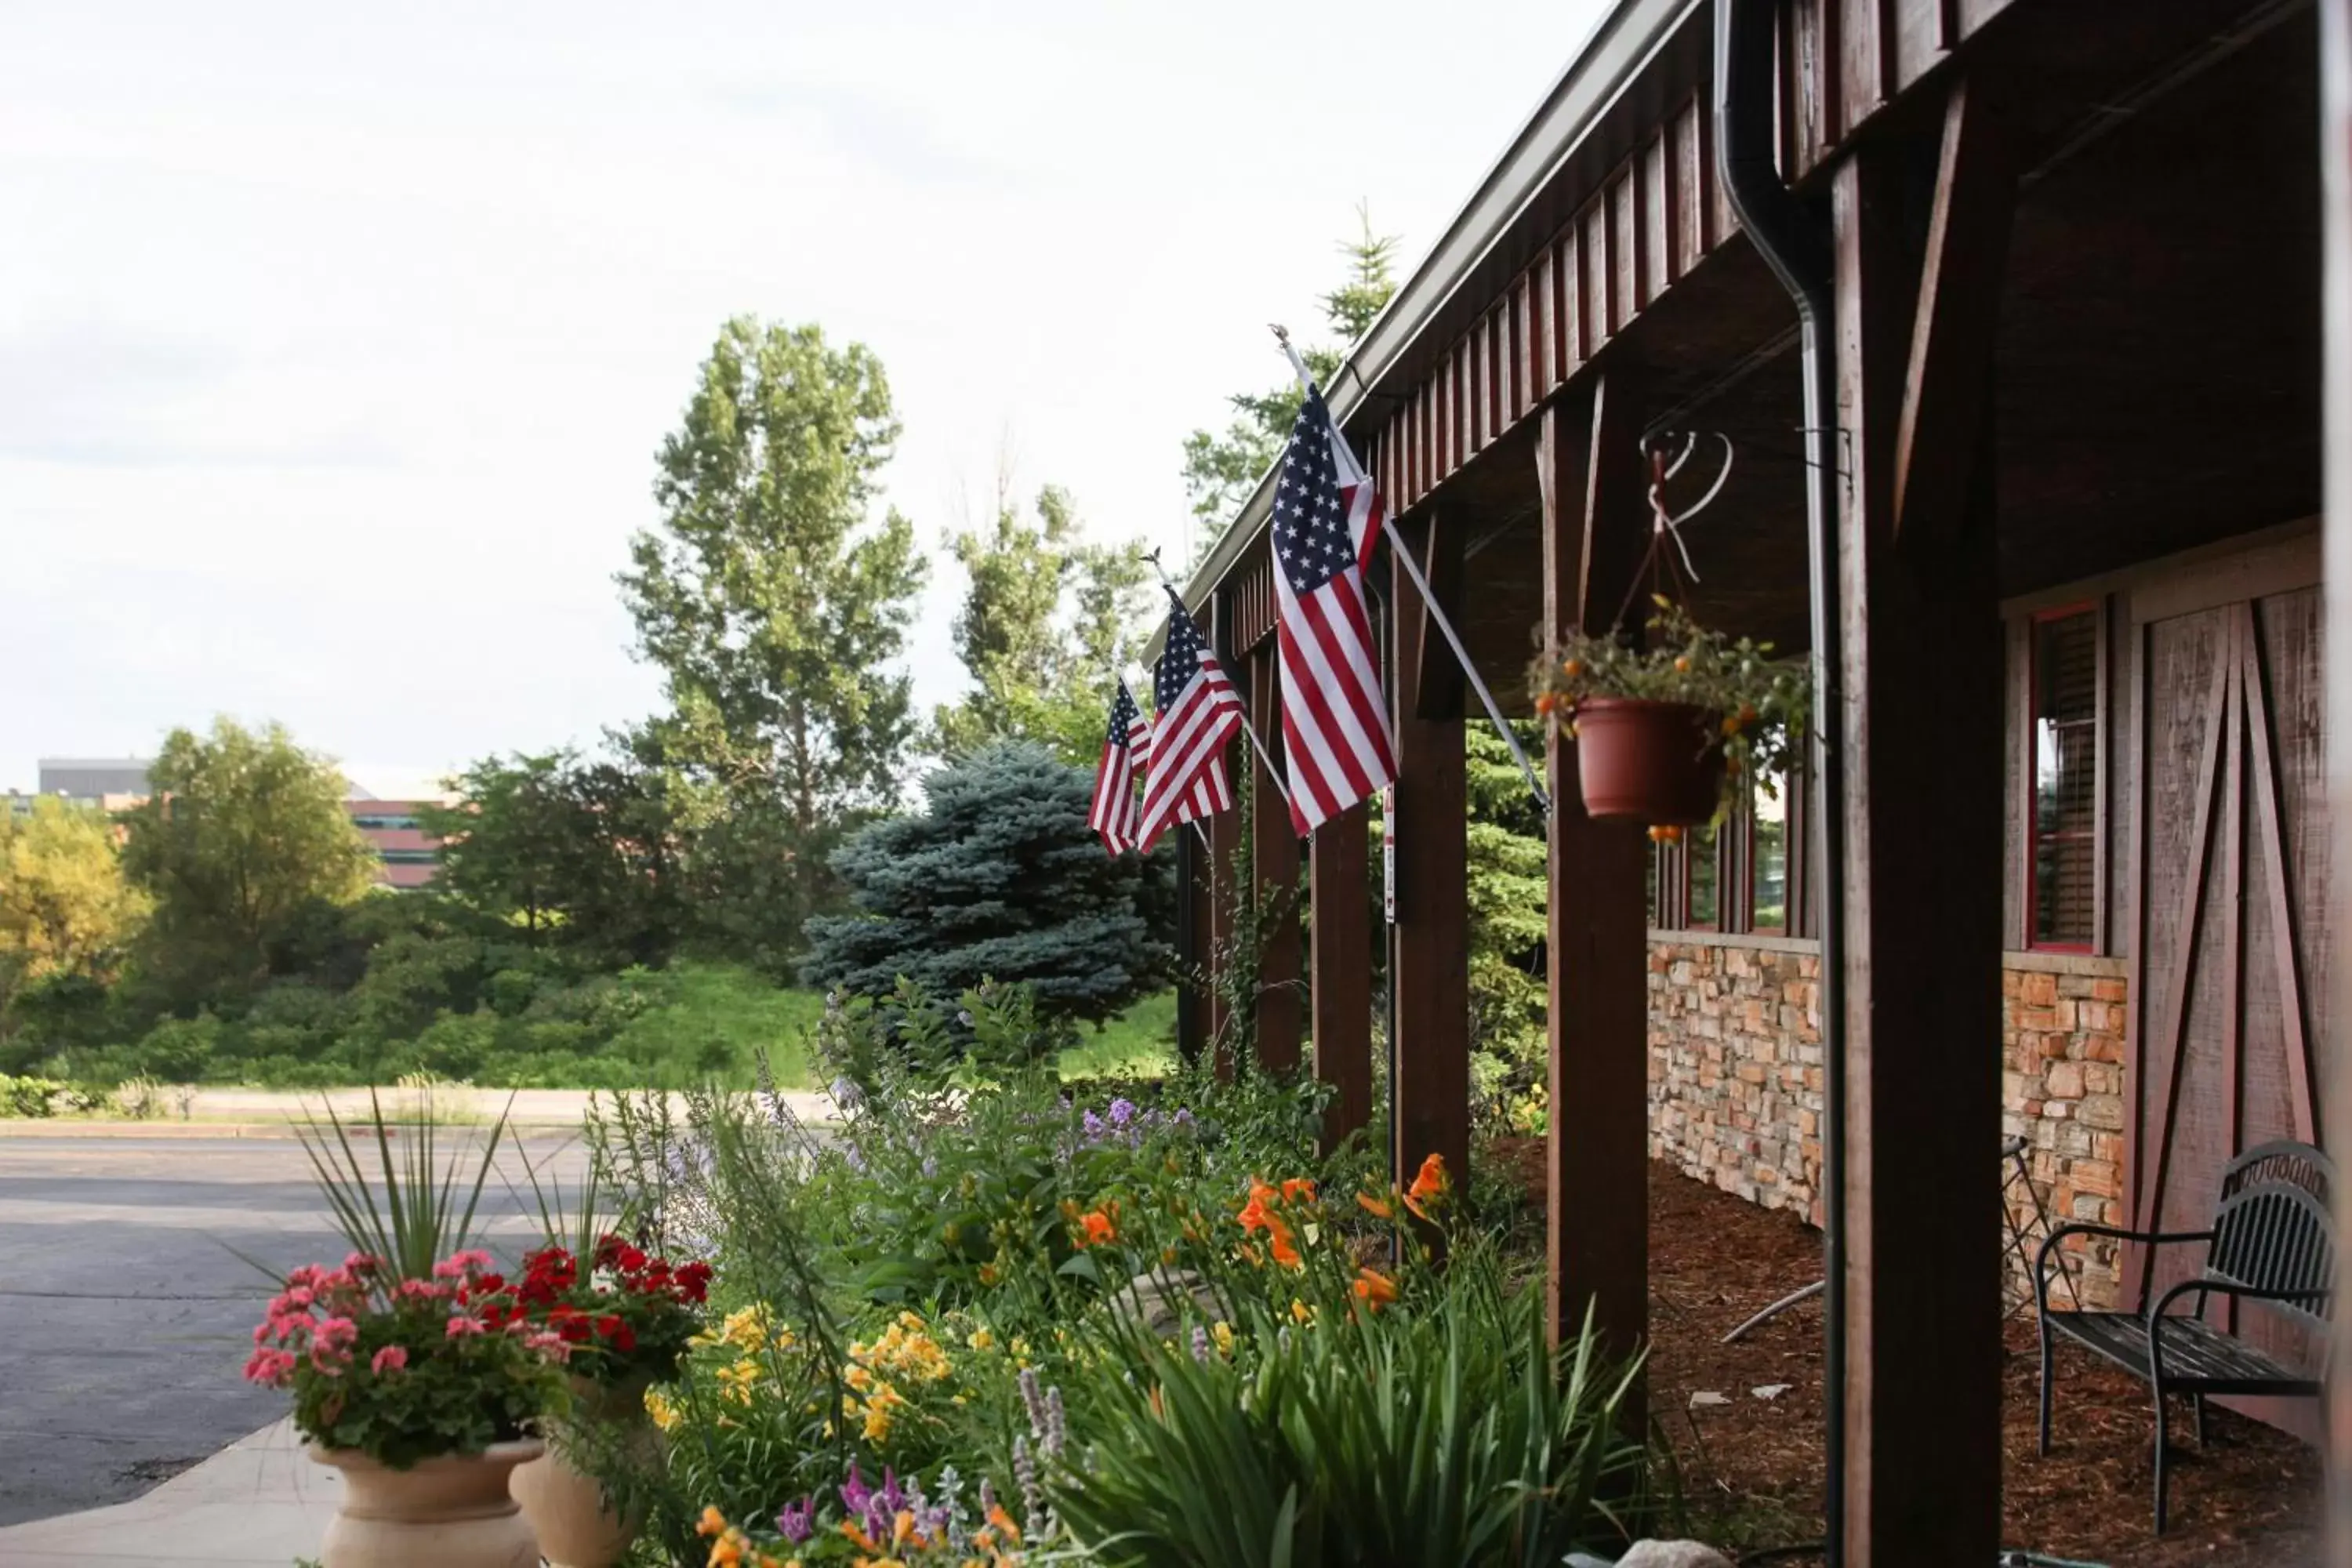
<point>1922,669</point>
<point>1341,990</point>
<point>2335,164</point>
<point>1596,1226</point>
<point>1274,857</point>
<point>1431,970</point>
<point>1192,943</point>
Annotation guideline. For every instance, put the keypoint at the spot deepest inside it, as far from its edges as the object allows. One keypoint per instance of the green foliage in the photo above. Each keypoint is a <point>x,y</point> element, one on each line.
<point>585,856</point>
<point>998,878</point>
<point>1042,629</point>
<point>1763,702</point>
<point>27,1097</point>
<point>410,1208</point>
<point>1509,893</point>
<point>771,600</point>
<point>243,833</point>
<point>1220,469</point>
<point>64,908</point>
<point>1445,1434</point>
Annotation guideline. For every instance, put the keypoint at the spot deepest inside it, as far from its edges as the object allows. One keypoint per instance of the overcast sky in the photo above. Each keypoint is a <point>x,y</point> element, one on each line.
<point>336,340</point>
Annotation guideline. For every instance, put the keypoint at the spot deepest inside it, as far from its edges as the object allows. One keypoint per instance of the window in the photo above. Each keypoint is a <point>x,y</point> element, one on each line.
<point>410,857</point>
<point>382,823</point>
<point>2063,821</point>
<point>1735,875</point>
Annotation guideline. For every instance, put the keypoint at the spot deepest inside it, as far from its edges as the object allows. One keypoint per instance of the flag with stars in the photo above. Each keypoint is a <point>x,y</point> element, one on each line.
<point>1199,714</point>
<point>1334,723</point>
<point>1114,814</point>
<point>1211,793</point>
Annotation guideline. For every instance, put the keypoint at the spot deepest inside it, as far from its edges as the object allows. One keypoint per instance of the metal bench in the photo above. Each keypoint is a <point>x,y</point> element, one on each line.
<point>2269,1243</point>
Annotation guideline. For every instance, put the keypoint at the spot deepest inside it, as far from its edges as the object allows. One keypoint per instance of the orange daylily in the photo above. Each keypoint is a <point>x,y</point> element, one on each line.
<point>1099,1228</point>
<point>1375,1206</point>
<point>1295,1188</point>
<point>1374,1289</point>
<point>1284,1252</point>
<point>1430,1182</point>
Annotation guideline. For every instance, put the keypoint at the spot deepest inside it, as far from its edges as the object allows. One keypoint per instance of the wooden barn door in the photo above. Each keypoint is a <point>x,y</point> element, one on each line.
<point>2231,988</point>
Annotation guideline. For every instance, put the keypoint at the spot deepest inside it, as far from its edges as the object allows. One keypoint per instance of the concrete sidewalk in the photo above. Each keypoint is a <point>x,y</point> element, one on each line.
<point>276,1113</point>
<point>258,1503</point>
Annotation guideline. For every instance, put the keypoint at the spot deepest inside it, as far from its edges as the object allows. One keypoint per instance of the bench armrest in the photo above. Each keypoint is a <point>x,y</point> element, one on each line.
<point>2089,1227</point>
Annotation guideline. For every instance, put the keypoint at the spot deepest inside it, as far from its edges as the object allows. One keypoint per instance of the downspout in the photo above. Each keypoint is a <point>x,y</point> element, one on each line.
<point>1795,240</point>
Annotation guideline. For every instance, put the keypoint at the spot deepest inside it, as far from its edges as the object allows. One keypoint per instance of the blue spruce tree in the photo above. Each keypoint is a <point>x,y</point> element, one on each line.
<point>999,877</point>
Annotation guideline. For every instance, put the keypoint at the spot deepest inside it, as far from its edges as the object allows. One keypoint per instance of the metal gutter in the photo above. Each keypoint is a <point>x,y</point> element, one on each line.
<point>1612,56</point>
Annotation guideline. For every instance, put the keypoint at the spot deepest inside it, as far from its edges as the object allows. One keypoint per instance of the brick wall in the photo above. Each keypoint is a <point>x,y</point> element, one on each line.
<point>1736,1076</point>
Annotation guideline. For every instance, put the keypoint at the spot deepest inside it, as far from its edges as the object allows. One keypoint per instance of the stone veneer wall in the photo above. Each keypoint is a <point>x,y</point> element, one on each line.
<point>1736,1076</point>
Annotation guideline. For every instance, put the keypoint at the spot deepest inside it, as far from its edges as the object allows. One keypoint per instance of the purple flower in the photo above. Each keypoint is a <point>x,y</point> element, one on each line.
<point>1122,1111</point>
<point>892,1497</point>
<point>798,1522</point>
<point>1092,1125</point>
<point>855,1493</point>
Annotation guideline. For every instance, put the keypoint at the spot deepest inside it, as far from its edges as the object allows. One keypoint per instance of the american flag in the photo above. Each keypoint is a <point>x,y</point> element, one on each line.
<point>1114,815</point>
<point>1211,793</point>
<point>1335,723</point>
<point>1198,717</point>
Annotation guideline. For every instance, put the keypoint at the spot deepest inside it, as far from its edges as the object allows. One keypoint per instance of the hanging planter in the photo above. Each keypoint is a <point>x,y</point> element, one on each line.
<point>1660,762</point>
<point>1670,732</point>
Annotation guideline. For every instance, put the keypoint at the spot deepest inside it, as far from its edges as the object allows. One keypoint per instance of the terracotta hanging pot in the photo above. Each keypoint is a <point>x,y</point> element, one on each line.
<point>567,1510</point>
<point>1659,763</point>
<point>453,1511</point>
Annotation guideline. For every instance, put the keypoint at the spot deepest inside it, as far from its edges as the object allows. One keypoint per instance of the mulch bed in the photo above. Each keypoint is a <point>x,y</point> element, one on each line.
<point>1751,1468</point>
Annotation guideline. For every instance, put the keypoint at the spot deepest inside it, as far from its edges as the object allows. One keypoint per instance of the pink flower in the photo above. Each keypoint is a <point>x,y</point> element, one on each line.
<point>419,1291</point>
<point>392,1358</point>
<point>458,1264</point>
<point>269,1366</point>
<point>359,1263</point>
<point>328,1363</point>
<point>307,1275</point>
<point>338,1333</point>
<point>460,1327</point>
<point>549,1344</point>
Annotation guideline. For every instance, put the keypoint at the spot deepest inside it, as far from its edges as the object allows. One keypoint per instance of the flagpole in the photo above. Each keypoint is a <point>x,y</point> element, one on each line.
<point>1247,728</point>
<point>1436,611</point>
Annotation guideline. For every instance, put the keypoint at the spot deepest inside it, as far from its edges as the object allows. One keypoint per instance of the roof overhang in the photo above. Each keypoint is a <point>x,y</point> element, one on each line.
<point>1531,187</point>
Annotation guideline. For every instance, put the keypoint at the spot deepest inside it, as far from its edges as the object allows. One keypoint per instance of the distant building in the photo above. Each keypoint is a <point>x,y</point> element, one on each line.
<point>408,856</point>
<point>94,779</point>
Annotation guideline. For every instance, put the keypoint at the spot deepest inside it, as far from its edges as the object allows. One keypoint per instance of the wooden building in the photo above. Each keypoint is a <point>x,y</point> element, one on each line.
<point>2070,352</point>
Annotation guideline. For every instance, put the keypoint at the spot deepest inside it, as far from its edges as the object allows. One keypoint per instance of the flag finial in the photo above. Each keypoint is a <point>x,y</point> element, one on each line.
<point>1281,333</point>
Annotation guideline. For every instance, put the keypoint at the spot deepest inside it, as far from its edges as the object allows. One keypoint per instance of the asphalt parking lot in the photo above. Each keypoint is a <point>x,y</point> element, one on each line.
<point>126,1312</point>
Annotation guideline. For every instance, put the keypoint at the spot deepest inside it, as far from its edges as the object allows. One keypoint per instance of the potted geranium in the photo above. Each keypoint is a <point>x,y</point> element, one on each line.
<point>625,1318</point>
<point>1669,728</point>
<point>425,1406</point>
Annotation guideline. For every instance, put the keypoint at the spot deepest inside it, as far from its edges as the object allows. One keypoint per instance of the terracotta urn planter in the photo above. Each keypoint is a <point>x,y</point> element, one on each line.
<point>453,1511</point>
<point>567,1510</point>
<point>1659,763</point>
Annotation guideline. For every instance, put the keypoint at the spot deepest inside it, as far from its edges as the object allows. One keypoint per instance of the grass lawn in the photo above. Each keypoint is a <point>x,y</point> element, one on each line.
<point>712,1017</point>
<point>1140,1040</point>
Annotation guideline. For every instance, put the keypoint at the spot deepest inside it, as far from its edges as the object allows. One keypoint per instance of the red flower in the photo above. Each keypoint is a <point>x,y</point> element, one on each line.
<point>693,1282</point>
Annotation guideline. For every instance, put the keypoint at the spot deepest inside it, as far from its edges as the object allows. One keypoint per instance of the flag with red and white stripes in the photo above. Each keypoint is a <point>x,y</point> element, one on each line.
<point>1211,793</point>
<point>1115,813</point>
<point>1335,721</point>
<point>1199,714</point>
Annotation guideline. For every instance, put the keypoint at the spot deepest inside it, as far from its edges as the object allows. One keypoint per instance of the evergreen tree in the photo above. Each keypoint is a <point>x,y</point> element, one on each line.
<point>1043,627</point>
<point>773,602</point>
<point>1509,898</point>
<point>1220,471</point>
<point>998,878</point>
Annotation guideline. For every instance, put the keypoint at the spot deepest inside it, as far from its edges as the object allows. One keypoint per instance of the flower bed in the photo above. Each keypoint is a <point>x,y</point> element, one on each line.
<point>987,1323</point>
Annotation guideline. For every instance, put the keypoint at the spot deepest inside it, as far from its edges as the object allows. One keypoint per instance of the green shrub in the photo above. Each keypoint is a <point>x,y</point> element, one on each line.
<point>29,1097</point>
<point>1445,1434</point>
<point>177,1051</point>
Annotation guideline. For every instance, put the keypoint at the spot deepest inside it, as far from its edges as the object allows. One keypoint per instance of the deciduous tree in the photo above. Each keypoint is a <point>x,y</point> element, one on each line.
<point>65,906</point>
<point>772,597</point>
<point>1044,624</point>
<point>242,830</point>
